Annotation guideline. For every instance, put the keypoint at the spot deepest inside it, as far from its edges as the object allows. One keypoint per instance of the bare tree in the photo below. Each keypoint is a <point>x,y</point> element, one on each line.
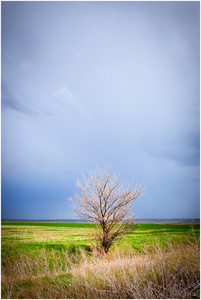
<point>105,201</point>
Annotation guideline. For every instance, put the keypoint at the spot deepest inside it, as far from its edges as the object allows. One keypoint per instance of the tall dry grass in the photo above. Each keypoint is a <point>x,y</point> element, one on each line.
<point>164,274</point>
<point>170,273</point>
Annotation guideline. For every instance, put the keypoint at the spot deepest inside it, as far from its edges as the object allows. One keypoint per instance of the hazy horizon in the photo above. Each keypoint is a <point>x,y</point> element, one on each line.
<point>86,84</point>
<point>137,221</point>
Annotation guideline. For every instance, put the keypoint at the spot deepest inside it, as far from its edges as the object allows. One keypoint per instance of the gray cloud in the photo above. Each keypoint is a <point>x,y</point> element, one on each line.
<point>11,99</point>
<point>66,98</point>
<point>85,84</point>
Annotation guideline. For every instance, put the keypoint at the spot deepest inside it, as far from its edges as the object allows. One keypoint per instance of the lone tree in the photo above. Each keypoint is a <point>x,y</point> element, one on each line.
<point>105,201</point>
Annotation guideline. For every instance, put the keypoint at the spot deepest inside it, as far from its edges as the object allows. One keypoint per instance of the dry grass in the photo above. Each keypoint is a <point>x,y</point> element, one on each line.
<point>161,275</point>
<point>42,234</point>
<point>174,273</point>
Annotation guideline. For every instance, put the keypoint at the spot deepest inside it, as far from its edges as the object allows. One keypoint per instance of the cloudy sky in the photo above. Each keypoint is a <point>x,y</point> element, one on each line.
<point>86,84</point>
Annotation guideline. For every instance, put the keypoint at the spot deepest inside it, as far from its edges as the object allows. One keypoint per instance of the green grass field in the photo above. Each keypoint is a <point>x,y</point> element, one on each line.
<point>21,237</point>
<point>47,254</point>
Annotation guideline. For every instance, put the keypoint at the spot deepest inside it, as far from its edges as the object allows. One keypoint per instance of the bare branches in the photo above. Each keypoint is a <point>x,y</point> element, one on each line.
<point>104,200</point>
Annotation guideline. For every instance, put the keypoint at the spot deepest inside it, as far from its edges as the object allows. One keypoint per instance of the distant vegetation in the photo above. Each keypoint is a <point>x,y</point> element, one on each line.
<point>60,260</point>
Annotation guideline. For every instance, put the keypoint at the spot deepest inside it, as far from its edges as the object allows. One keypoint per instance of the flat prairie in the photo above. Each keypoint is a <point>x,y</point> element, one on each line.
<point>62,260</point>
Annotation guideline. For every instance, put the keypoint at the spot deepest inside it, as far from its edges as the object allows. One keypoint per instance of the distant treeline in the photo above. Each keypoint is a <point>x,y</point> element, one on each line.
<point>150,221</point>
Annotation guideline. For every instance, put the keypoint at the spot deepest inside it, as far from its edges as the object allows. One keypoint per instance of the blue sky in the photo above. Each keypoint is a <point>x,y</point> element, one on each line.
<point>86,84</point>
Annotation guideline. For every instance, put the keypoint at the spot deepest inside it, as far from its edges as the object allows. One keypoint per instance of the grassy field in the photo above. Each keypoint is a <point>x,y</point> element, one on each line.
<point>60,260</point>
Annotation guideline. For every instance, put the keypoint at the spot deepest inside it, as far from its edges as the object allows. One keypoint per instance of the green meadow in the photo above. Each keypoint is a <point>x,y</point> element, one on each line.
<point>46,260</point>
<point>21,237</point>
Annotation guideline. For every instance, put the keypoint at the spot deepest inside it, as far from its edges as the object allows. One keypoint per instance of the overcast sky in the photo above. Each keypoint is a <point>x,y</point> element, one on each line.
<point>86,84</point>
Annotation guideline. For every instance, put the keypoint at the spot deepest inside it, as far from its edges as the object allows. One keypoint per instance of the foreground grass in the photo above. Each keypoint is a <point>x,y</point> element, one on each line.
<point>61,261</point>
